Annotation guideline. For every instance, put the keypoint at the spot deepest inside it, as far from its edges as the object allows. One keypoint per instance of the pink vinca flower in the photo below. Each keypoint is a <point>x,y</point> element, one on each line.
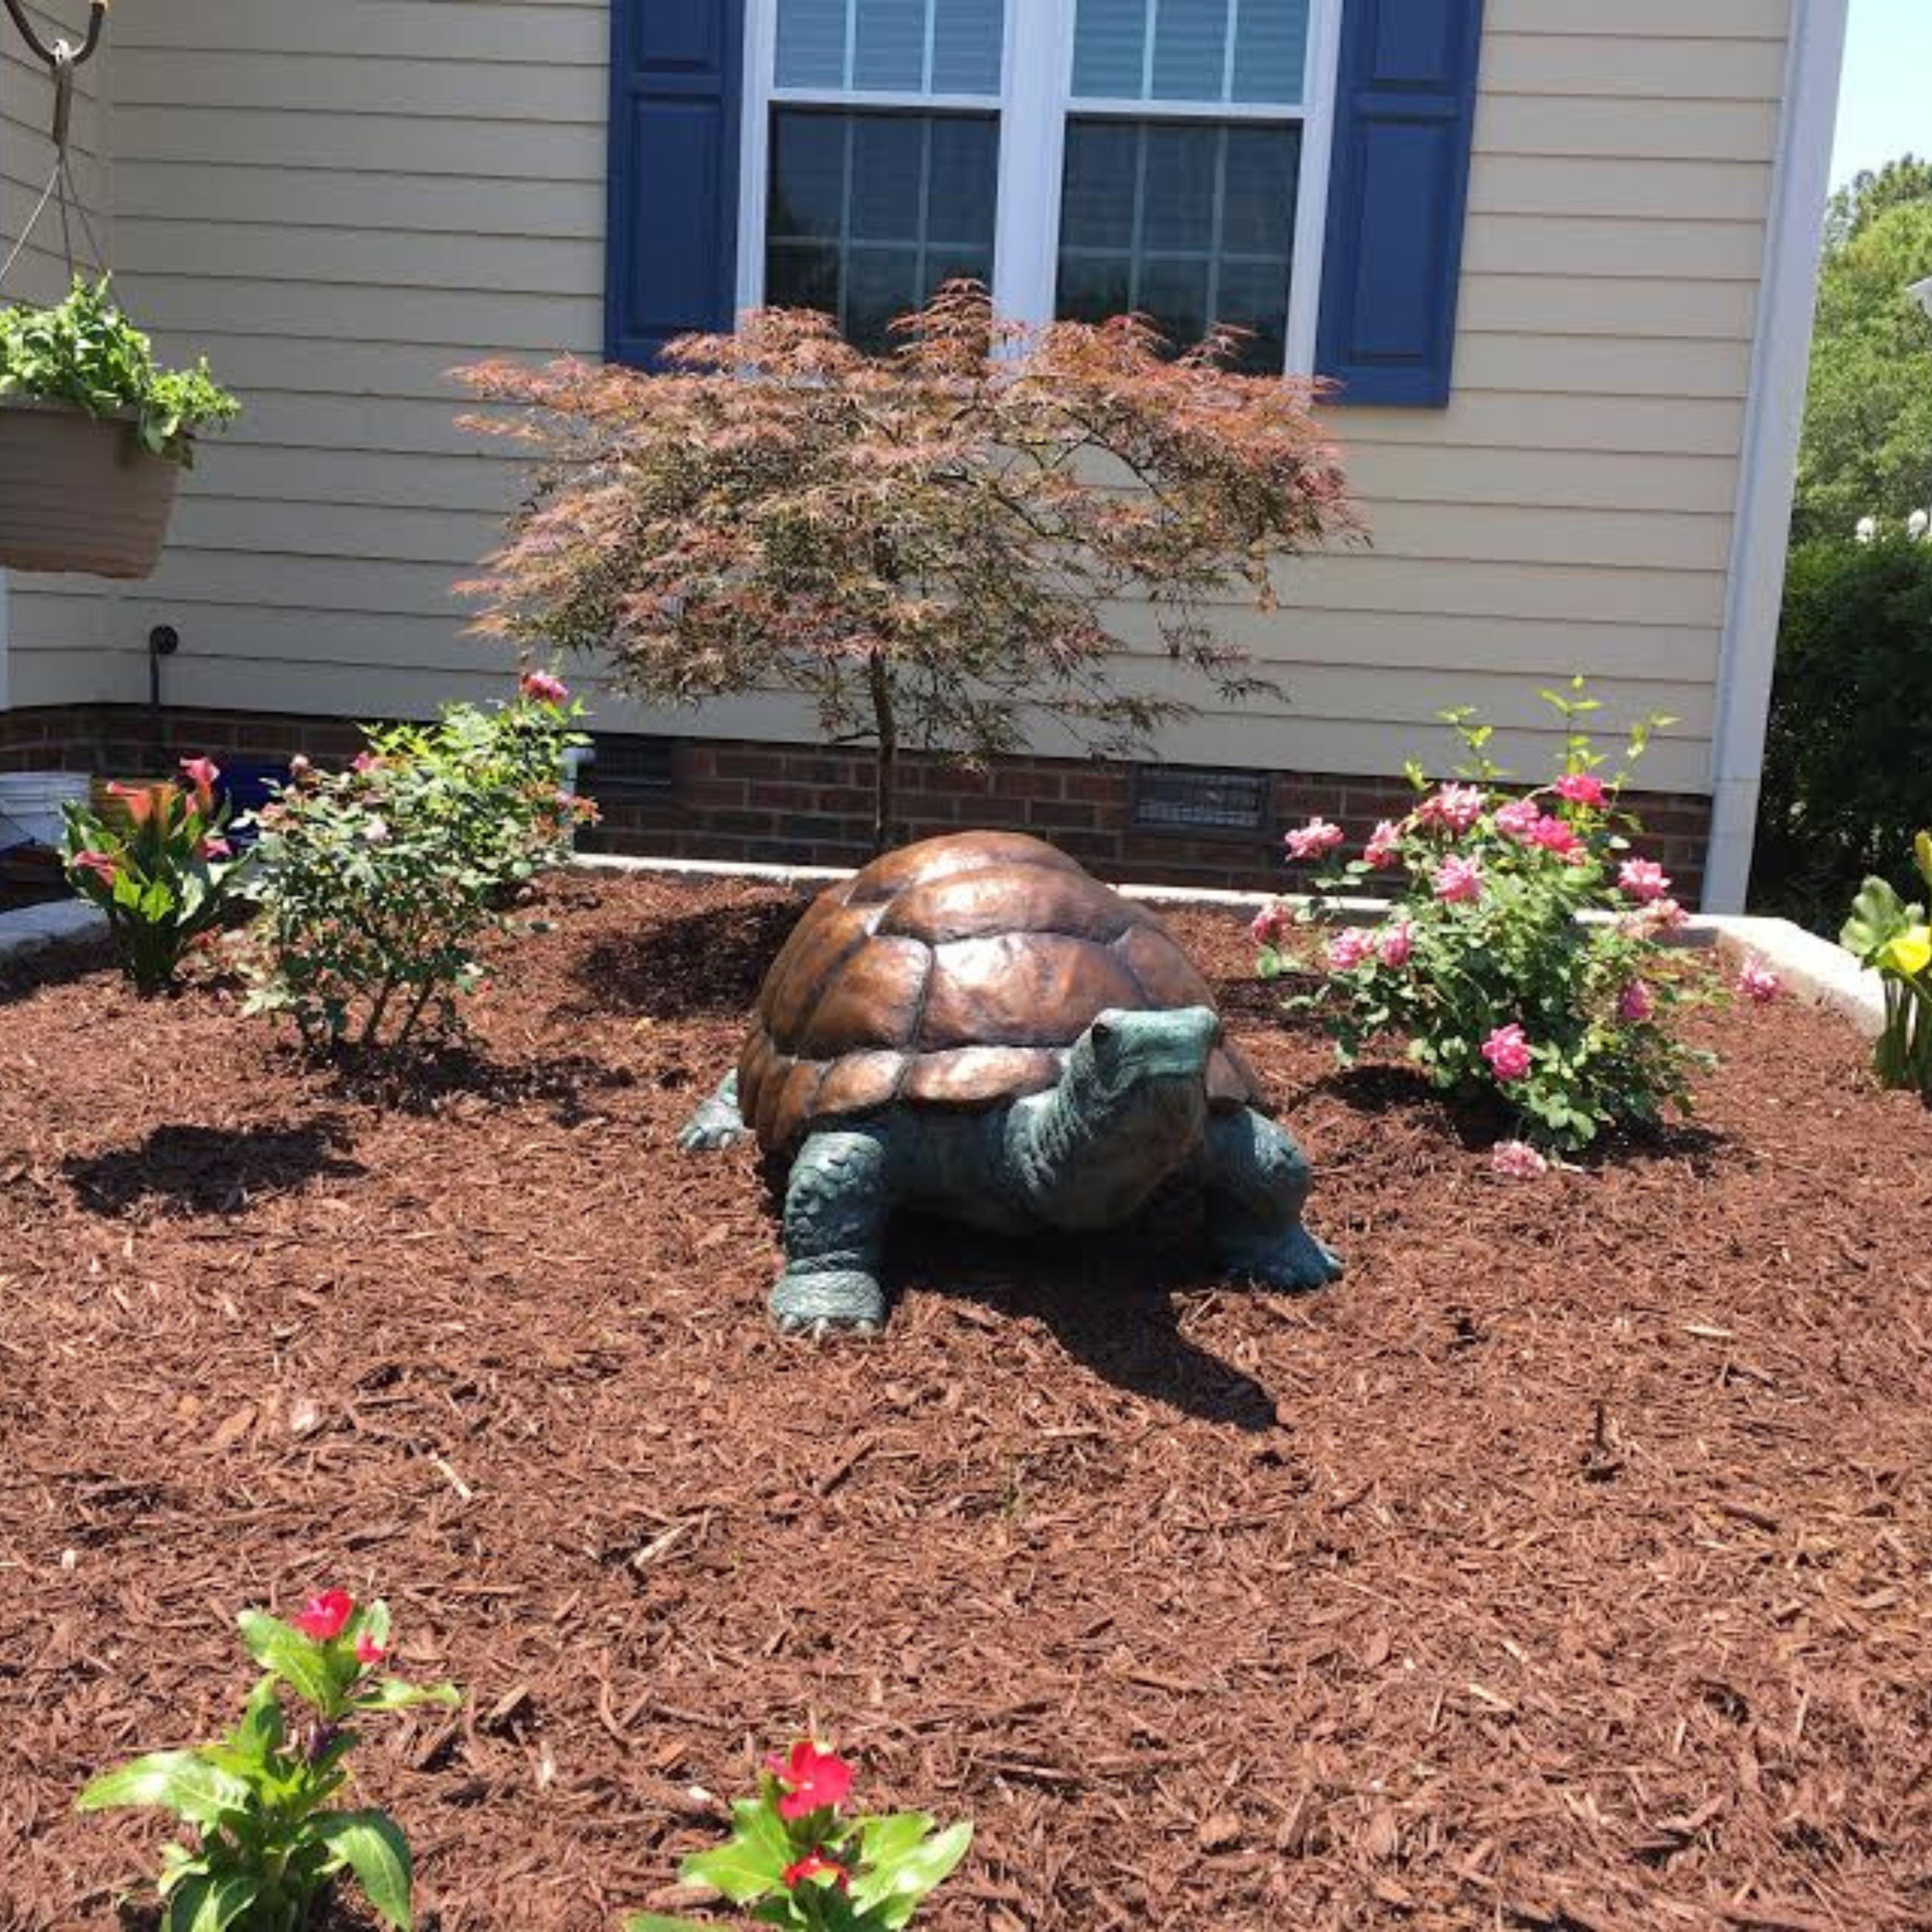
<point>1636,1002</point>
<point>1385,846</point>
<point>1519,819</point>
<point>1459,881</point>
<point>1349,948</point>
<point>326,1615</point>
<point>1582,788</point>
<point>1643,880</point>
<point>811,1780</point>
<point>1454,808</point>
<point>1507,1051</point>
<point>1314,839</point>
<point>1756,982</point>
<point>1398,943</point>
<point>541,687</point>
<point>1516,1160</point>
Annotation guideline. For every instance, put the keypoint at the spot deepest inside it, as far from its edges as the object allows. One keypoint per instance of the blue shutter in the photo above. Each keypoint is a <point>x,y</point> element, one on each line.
<point>1398,182</point>
<point>672,252</point>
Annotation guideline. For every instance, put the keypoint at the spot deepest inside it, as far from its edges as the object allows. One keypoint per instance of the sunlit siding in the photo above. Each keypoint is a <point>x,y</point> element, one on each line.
<point>340,203</point>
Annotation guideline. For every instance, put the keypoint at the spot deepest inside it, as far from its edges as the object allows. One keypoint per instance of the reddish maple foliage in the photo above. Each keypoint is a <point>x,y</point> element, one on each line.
<point>987,528</point>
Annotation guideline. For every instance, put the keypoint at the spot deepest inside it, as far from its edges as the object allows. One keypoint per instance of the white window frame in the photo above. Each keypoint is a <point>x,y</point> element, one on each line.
<point>1035,100</point>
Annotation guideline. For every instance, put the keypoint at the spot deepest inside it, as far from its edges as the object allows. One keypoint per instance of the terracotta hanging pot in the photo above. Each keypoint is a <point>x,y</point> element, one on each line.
<point>80,493</point>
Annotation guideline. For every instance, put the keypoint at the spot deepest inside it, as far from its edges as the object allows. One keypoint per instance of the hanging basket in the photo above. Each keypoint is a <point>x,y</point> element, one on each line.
<point>79,493</point>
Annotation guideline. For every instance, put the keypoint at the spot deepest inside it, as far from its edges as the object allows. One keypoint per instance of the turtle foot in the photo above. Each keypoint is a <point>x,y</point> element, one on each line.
<point>1296,1261</point>
<point>707,1132</point>
<point>843,1302</point>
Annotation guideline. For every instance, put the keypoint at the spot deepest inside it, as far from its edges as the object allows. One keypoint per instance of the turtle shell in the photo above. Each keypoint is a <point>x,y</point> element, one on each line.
<point>956,973</point>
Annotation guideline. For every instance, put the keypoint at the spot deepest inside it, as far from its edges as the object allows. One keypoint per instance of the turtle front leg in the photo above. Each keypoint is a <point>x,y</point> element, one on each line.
<point>838,1202</point>
<point>717,1122</point>
<point>1256,1178</point>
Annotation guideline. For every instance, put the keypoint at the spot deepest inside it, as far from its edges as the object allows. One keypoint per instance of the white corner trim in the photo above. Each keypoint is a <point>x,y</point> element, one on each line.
<point>1773,419</point>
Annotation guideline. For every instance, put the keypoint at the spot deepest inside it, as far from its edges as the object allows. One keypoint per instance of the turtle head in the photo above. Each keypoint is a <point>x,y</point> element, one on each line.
<point>1126,1115</point>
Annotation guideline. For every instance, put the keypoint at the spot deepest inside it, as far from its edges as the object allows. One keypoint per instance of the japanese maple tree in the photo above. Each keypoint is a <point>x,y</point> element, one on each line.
<point>939,547</point>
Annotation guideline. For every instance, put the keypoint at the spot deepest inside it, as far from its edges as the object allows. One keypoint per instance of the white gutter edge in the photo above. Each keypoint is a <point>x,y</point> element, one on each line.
<point>1773,419</point>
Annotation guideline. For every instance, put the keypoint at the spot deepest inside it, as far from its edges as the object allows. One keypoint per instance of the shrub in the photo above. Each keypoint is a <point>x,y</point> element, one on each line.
<point>1846,778</point>
<point>161,868</point>
<point>268,1846</point>
<point>1893,939</point>
<point>376,883</point>
<point>794,1862</point>
<point>930,545</point>
<point>85,352</point>
<point>1485,965</point>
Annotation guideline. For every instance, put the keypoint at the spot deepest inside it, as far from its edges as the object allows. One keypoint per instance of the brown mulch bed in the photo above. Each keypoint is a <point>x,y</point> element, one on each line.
<point>1565,1567</point>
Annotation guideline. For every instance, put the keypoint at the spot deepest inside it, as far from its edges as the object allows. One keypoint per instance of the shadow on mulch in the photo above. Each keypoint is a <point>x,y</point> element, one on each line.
<point>430,1080</point>
<point>58,964</point>
<point>213,1170</point>
<point>705,964</point>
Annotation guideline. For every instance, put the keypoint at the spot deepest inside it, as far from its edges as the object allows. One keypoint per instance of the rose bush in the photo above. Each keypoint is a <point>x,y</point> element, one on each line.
<point>1486,965</point>
<point>160,867</point>
<point>791,1860</point>
<point>376,883</point>
<point>269,1844</point>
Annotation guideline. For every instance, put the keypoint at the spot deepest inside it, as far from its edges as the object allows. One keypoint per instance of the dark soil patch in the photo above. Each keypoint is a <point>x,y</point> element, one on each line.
<point>1568,1566</point>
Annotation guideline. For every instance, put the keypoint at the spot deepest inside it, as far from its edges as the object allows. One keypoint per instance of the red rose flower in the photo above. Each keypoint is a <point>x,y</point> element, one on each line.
<point>816,1864</point>
<point>326,1616</point>
<point>814,1780</point>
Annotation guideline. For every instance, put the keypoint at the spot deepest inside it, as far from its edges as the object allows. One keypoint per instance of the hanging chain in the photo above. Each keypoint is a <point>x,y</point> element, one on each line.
<point>62,62</point>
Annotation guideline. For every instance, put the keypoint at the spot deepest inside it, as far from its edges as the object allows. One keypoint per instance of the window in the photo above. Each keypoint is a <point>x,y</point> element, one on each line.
<point>1084,157</point>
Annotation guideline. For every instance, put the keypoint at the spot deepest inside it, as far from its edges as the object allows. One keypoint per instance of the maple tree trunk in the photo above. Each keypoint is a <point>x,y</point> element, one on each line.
<point>885,763</point>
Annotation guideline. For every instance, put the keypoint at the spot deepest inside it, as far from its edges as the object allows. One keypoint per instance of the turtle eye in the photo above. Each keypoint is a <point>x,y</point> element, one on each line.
<point>1101,1033</point>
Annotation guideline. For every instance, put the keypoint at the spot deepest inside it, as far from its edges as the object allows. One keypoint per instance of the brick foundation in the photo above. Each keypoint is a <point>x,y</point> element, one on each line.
<point>730,799</point>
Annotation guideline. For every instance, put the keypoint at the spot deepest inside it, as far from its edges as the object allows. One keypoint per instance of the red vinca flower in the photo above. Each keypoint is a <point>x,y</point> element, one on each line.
<point>816,1864</point>
<point>325,1617</point>
<point>368,1652</point>
<point>814,1780</point>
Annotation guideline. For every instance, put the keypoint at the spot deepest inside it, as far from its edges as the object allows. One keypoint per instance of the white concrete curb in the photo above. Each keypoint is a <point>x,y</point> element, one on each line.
<point>33,927</point>
<point>1812,968</point>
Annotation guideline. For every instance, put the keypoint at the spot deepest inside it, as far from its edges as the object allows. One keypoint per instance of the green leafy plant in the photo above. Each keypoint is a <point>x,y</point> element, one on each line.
<point>791,1860</point>
<point>376,883</point>
<point>161,868</point>
<point>1487,964</point>
<point>268,1842</point>
<point>1894,939</point>
<point>83,352</point>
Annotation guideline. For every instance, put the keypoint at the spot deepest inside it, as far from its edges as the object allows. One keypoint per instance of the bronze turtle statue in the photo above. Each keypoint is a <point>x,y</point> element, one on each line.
<point>977,1026</point>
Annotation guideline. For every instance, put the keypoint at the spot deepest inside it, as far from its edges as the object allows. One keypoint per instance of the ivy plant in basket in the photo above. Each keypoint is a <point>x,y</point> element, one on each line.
<point>93,436</point>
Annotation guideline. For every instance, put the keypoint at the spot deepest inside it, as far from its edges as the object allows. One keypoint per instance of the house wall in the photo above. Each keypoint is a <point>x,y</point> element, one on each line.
<point>340,203</point>
<point>54,631</point>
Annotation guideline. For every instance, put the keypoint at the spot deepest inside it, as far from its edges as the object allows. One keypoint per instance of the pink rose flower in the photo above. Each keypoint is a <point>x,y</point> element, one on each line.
<point>298,768</point>
<point>1271,924</point>
<point>1664,915</point>
<point>1519,818</point>
<point>1398,943</point>
<point>1582,788</point>
<point>212,847</point>
<point>1516,1160</point>
<point>1635,1002</point>
<point>1454,808</point>
<point>542,687</point>
<point>1507,1051</point>
<point>1643,879</point>
<point>364,761</point>
<point>1317,837</point>
<point>1349,948</point>
<point>1553,834</point>
<point>1756,982</point>
<point>1383,848</point>
<point>1458,880</point>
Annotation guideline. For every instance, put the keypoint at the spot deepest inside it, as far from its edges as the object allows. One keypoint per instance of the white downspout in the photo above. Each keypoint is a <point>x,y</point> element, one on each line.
<point>1774,418</point>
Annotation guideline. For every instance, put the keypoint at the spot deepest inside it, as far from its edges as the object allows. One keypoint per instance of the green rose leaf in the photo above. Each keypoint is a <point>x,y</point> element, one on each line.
<point>371,1844</point>
<point>183,1782</point>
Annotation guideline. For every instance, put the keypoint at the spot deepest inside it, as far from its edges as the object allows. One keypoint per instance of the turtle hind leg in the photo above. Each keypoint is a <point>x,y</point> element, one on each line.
<point>717,1122</point>
<point>1256,1179</point>
<point>838,1201</point>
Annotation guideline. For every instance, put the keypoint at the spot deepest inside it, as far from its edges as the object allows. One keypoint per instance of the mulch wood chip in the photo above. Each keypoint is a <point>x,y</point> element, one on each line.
<point>1566,1567</point>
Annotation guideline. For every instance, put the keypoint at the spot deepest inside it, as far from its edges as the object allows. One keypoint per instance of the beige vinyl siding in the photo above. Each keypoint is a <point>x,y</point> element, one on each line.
<point>340,203</point>
<point>57,629</point>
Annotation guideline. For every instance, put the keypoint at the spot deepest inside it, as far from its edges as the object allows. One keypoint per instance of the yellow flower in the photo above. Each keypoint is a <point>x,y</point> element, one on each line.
<point>1921,847</point>
<point>1910,953</point>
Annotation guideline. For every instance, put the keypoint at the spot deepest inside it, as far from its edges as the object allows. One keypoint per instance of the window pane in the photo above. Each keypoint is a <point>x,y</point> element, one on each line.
<point>1189,223</point>
<point>898,47</point>
<point>1199,50</point>
<point>870,212</point>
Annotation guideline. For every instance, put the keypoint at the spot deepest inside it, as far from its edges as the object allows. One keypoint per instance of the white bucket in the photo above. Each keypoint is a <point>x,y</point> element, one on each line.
<point>30,805</point>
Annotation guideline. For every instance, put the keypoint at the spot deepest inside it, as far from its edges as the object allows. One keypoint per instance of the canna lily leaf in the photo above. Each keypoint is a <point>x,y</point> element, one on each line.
<point>371,1844</point>
<point>1921,851</point>
<point>212,1902</point>
<point>1878,917</point>
<point>183,1782</point>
